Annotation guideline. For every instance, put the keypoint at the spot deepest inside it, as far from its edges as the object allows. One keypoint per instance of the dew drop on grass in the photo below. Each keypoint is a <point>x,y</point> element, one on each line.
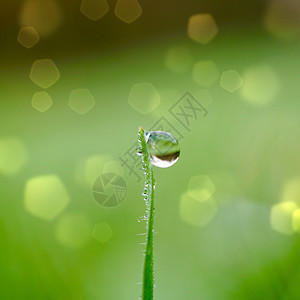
<point>163,148</point>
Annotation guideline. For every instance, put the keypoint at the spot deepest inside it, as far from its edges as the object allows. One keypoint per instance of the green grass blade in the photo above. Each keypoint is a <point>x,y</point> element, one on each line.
<point>148,275</point>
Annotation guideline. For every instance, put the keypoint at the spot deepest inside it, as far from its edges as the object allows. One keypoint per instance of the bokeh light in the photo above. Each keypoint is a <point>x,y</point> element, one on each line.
<point>143,97</point>
<point>196,213</point>
<point>200,188</point>
<point>28,37</point>
<point>282,217</point>
<point>13,156</point>
<point>44,73</point>
<point>73,230</point>
<point>41,101</point>
<point>240,241</point>
<point>46,197</point>
<point>128,10</point>
<point>78,79</point>
<point>81,101</point>
<point>102,232</point>
<point>226,187</point>
<point>44,15</point>
<point>113,166</point>
<point>178,59</point>
<point>291,190</point>
<point>231,81</point>
<point>92,167</point>
<point>296,220</point>
<point>205,73</point>
<point>282,19</point>
<point>94,9</point>
<point>261,85</point>
<point>202,28</point>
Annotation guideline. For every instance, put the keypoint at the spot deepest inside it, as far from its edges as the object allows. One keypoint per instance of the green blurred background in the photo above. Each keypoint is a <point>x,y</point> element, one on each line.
<point>227,213</point>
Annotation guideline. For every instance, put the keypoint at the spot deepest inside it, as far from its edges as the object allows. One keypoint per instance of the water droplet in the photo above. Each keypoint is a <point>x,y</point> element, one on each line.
<point>139,150</point>
<point>143,218</point>
<point>163,148</point>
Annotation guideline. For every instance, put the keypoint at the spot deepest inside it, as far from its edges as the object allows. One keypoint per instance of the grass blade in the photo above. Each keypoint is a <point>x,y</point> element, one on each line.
<point>148,274</point>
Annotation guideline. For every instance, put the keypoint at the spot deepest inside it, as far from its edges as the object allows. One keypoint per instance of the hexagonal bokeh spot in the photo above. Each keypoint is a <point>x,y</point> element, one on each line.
<point>13,156</point>
<point>46,197</point>
<point>202,28</point>
<point>102,232</point>
<point>196,213</point>
<point>94,9</point>
<point>205,73</point>
<point>88,170</point>
<point>44,15</point>
<point>41,101</point>
<point>282,19</point>
<point>81,101</point>
<point>143,97</point>
<point>261,85</point>
<point>92,168</point>
<point>178,59</point>
<point>44,73</point>
<point>28,37</point>
<point>231,81</point>
<point>200,188</point>
<point>128,10</point>
<point>282,217</point>
<point>74,230</point>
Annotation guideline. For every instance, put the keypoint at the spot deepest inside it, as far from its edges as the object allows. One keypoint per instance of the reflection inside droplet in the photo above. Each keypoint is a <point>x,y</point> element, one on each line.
<point>163,148</point>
